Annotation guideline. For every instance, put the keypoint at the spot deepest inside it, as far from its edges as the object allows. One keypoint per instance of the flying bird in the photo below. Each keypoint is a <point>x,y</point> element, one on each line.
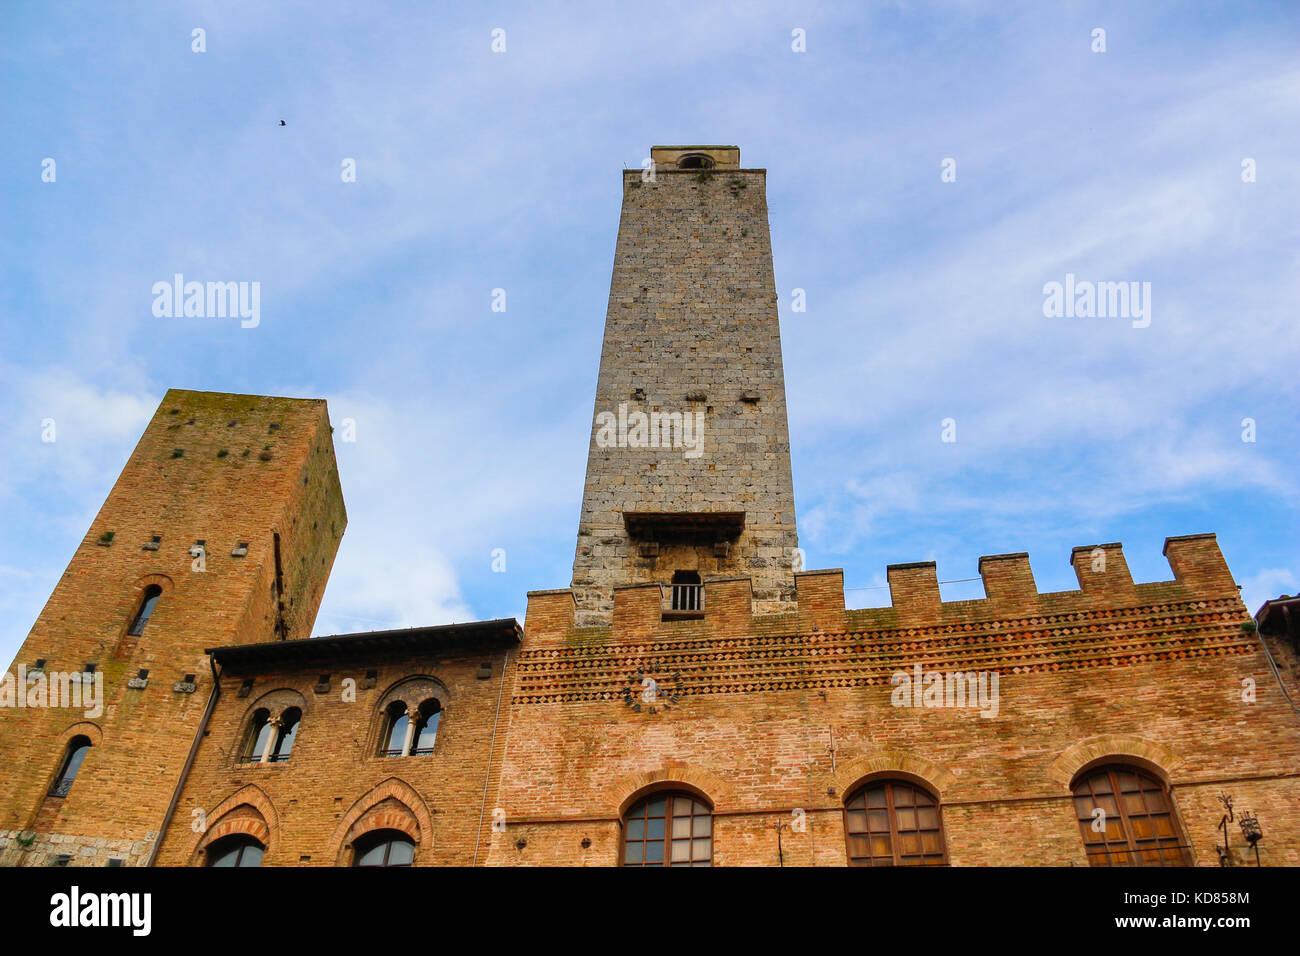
<point>282,122</point>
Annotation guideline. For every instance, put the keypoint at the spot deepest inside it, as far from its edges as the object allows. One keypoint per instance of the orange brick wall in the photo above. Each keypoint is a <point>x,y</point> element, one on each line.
<point>334,780</point>
<point>781,713</point>
<point>277,474</point>
<point>774,719</point>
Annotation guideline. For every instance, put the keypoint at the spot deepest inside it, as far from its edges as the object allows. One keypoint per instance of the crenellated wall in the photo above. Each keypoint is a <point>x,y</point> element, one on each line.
<point>1104,583</point>
<point>764,715</point>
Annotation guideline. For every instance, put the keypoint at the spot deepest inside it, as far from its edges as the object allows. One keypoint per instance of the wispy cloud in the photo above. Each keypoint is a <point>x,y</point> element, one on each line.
<point>479,171</point>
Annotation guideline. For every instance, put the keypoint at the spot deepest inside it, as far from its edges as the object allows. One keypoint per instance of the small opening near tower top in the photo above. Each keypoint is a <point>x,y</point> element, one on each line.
<point>695,161</point>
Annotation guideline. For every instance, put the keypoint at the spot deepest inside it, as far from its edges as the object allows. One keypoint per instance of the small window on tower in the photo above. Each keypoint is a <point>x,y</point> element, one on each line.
<point>686,594</point>
<point>75,753</point>
<point>151,595</point>
<point>695,161</point>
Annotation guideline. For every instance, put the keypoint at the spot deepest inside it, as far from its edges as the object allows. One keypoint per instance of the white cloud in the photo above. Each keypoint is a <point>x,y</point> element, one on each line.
<point>1268,584</point>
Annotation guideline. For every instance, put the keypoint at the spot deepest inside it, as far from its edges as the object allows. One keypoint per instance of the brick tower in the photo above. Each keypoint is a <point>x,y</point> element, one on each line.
<point>688,471</point>
<point>224,525</point>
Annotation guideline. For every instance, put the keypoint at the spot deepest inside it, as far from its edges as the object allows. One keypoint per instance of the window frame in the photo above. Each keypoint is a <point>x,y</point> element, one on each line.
<point>1132,847</point>
<point>430,711</point>
<point>392,715</point>
<point>286,731</point>
<point>894,833</point>
<point>386,836</point>
<point>252,753</point>
<point>144,610</point>
<point>670,796</point>
<point>59,787</point>
<point>685,594</point>
<point>696,161</point>
<point>239,842</point>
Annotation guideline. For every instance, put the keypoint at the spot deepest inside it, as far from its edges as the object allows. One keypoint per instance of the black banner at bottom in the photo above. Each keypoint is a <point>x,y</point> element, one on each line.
<point>584,907</point>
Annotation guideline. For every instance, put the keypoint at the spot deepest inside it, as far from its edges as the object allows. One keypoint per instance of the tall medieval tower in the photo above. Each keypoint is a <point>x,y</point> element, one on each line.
<point>688,470</point>
<point>221,529</point>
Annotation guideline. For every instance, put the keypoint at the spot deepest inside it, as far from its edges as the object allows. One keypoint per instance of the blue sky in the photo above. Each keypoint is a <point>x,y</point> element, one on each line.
<point>479,170</point>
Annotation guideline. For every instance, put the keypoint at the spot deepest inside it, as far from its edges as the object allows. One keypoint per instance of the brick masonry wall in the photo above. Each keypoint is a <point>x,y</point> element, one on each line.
<point>692,312</point>
<point>773,707</point>
<point>248,467</point>
<point>1287,660</point>
<point>766,715</point>
<point>335,786</point>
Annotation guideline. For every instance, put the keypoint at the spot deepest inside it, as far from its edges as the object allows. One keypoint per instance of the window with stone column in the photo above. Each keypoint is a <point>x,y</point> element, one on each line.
<point>272,727</point>
<point>409,716</point>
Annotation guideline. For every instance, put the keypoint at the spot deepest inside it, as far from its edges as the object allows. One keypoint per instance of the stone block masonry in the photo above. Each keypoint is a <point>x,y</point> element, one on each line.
<point>691,329</point>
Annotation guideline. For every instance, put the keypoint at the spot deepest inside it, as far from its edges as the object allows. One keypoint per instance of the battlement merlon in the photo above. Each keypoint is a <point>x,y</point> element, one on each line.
<point>1200,572</point>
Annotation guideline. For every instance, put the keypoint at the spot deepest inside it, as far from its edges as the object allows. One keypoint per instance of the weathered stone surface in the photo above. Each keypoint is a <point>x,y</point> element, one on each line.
<point>691,328</point>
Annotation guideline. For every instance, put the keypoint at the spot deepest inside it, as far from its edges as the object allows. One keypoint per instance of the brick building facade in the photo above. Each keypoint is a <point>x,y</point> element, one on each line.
<point>695,696</point>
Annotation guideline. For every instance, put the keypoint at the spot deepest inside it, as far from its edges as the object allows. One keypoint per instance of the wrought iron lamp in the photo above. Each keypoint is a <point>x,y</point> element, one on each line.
<point>1250,830</point>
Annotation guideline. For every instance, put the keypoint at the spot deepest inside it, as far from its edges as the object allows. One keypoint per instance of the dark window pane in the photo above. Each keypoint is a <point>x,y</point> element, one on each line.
<point>384,848</point>
<point>401,853</point>
<point>426,733</point>
<point>252,856</point>
<point>373,856</point>
<point>78,747</point>
<point>235,851</point>
<point>397,733</point>
<point>288,731</point>
<point>151,595</point>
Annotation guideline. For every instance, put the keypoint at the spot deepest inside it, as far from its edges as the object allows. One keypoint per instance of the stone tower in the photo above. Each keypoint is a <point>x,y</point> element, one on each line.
<point>688,471</point>
<point>227,518</point>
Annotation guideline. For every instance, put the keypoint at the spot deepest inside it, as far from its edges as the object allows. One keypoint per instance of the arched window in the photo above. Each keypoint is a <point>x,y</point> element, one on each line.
<point>76,752</point>
<point>287,731</point>
<point>668,829</point>
<point>151,595</point>
<point>894,823</point>
<point>258,734</point>
<point>237,850</point>
<point>395,721</point>
<point>384,848</point>
<point>1136,827</point>
<point>426,728</point>
<point>695,161</point>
